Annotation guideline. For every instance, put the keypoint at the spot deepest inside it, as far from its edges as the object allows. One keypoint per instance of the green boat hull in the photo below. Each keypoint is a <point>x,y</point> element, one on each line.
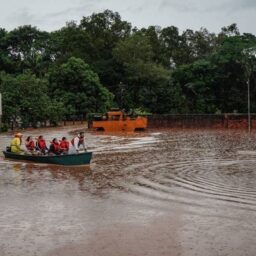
<point>72,159</point>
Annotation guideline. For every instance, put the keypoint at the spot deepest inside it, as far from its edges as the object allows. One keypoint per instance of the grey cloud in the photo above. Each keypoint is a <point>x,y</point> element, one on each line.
<point>233,6</point>
<point>83,8</point>
<point>133,9</point>
<point>245,4</point>
<point>137,7</point>
<point>23,17</point>
<point>180,6</point>
<point>226,6</point>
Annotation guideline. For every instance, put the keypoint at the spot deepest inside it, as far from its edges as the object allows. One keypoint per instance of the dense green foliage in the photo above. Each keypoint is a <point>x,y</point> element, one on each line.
<point>26,100</point>
<point>103,61</point>
<point>79,88</point>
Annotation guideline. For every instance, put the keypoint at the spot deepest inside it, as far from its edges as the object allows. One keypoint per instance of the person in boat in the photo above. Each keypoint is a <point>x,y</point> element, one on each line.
<point>77,142</point>
<point>30,145</point>
<point>41,145</point>
<point>64,145</point>
<point>16,144</point>
<point>55,147</point>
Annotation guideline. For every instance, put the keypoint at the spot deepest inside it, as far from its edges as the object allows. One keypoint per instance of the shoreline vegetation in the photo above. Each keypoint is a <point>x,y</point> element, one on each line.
<point>103,62</point>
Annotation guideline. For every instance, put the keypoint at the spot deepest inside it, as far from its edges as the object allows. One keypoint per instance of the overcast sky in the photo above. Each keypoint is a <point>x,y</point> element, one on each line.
<point>52,14</point>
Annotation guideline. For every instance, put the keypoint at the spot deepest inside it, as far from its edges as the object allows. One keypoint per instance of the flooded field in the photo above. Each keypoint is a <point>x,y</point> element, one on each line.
<point>167,192</point>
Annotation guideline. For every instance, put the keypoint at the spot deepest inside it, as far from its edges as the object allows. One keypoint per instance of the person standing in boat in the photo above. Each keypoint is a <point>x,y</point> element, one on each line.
<point>77,142</point>
<point>16,143</point>
<point>41,145</point>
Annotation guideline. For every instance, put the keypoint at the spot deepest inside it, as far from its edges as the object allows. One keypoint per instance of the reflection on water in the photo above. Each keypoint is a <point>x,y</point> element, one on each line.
<point>188,192</point>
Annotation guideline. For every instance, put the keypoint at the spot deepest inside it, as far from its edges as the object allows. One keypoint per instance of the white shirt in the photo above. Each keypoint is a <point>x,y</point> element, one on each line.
<point>76,145</point>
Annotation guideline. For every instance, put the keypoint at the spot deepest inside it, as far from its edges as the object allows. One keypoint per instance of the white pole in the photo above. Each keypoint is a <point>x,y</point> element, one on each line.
<point>249,106</point>
<point>1,111</point>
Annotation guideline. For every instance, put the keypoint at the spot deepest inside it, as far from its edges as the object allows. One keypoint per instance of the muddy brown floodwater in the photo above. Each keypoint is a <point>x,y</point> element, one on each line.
<point>164,193</point>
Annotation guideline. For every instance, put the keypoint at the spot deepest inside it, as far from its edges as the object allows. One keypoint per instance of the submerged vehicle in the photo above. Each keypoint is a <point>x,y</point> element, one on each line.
<point>72,159</point>
<point>117,121</point>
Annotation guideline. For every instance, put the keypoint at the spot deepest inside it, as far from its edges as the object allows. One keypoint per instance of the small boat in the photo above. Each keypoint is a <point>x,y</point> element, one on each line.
<point>72,159</point>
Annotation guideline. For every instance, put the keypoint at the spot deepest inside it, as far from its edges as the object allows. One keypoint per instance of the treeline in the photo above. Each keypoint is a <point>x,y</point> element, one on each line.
<point>104,62</point>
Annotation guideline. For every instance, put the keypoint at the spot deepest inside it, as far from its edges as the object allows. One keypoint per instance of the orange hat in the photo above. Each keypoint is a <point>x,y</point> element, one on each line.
<point>18,134</point>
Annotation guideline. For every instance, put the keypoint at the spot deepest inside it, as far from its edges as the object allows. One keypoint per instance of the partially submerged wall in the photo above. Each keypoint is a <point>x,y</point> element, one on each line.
<point>225,121</point>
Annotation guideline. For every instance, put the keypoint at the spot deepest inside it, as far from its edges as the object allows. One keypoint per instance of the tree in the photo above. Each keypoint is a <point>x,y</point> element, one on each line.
<point>29,48</point>
<point>218,83</point>
<point>153,33</point>
<point>197,83</point>
<point>170,41</point>
<point>84,65</point>
<point>5,62</point>
<point>25,100</point>
<point>79,88</point>
<point>148,85</point>
<point>71,41</point>
<point>105,30</point>
<point>231,76</point>
<point>134,55</point>
<point>228,31</point>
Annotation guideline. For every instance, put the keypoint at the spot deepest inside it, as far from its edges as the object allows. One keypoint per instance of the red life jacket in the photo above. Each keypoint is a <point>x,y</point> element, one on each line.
<point>55,147</point>
<point>42,144</point>
<point>30,145</point>
<point>64,145</point>
<point>81,141</point>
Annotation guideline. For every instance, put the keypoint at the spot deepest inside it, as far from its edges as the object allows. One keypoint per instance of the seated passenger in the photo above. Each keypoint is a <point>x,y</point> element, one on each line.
<point>30,145</point>
<point>16,144</point>
<point>41,145</point>
<point>55,147</point>
<point>64,145</point>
